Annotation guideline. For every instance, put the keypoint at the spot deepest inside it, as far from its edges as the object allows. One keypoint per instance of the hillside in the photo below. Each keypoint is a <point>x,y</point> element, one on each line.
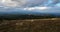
<point>30,25</point>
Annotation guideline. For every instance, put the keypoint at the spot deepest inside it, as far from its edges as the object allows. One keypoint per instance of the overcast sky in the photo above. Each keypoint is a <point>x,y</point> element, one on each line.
<point>31,4</point>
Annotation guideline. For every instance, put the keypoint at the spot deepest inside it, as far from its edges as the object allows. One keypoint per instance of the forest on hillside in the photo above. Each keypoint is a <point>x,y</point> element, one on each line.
<point>26,16</point>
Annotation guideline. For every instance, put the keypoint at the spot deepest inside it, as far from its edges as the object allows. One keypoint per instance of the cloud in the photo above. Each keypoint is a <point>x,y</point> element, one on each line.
<point>34,3</point>
<point>22,3</point>
<point>41,3</point>
<point>36,8</point>
<point>12,3</point>
<point>28,3</point>
<point>44,9</point>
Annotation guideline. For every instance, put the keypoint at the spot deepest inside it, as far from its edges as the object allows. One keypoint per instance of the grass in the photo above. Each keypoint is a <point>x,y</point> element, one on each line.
<point>30,25</point>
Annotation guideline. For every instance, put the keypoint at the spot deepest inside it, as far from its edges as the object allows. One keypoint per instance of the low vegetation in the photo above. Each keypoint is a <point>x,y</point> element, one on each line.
<point>33,25</point>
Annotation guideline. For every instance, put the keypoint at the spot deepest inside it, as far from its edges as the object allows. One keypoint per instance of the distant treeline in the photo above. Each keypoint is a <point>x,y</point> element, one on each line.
<point>26,16</point>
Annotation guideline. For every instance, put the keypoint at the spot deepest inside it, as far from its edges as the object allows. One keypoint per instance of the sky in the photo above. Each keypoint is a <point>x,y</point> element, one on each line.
<point>31,5</point>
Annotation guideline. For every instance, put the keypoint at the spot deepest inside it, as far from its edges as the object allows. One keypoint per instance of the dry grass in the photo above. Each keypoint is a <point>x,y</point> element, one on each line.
<point>33,25</point>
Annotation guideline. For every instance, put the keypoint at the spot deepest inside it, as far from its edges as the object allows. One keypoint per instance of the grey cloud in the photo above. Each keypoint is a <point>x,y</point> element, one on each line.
<point>33,3</point>
<point>30,3</point>
<point>12,3</point>
<point>26,3</point>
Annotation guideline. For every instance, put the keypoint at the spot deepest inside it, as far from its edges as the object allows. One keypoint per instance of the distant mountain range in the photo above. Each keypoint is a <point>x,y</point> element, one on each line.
<point>21,13</point>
